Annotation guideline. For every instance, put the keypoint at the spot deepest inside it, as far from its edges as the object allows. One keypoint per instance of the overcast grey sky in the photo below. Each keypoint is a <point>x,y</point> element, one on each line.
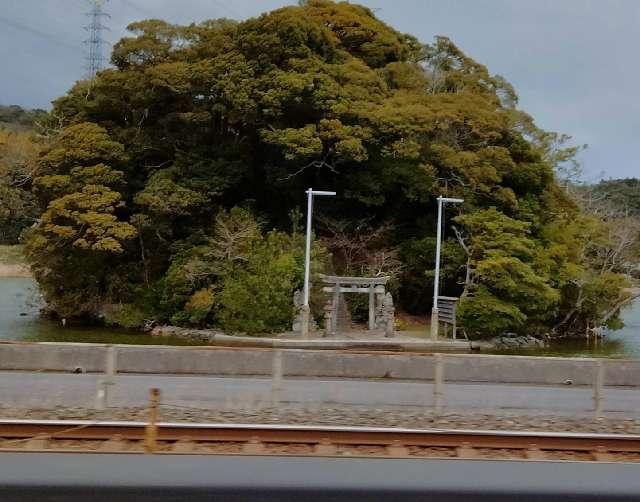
<point>574,63</point>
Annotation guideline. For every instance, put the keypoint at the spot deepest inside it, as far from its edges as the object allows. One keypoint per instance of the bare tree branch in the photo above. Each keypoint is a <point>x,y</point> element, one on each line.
<point>318,164</point>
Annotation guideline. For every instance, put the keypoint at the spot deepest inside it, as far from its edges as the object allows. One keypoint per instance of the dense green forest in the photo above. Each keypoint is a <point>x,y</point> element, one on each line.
<point>170,188</point>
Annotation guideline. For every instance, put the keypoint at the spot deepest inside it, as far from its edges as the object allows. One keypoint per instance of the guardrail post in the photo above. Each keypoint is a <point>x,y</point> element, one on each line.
<point>276,377</point>
<point>111,361</point>
<point>598,388</point>
<point>438,384</point>
<point>107,380</point>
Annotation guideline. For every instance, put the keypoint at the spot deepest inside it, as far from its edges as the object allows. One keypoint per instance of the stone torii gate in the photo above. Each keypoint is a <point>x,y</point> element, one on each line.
<point>381,310</point>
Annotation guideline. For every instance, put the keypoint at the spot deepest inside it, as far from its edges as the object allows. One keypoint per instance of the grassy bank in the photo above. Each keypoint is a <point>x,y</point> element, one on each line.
<point>12,263</point>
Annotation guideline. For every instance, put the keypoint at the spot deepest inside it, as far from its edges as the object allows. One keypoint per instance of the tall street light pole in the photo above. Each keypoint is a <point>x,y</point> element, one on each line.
<point>307,258</point>
<point>436,282</point>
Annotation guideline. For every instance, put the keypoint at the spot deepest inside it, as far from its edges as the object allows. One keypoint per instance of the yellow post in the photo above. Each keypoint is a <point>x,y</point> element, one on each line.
<point>151,430</point>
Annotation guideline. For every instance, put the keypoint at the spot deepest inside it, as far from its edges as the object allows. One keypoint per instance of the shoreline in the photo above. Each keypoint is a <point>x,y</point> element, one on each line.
<point>14,271</point>
<point>12,262</point>
<point>285,340</point>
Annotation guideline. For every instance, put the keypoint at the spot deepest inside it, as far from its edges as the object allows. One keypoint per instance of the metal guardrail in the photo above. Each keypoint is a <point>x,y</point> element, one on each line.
<point>436,371</point>
<point>437,385</point>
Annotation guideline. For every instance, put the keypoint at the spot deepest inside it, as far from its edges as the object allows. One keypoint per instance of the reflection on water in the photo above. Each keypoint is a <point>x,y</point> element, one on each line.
<point>19,320</point>
<point>20,303</point>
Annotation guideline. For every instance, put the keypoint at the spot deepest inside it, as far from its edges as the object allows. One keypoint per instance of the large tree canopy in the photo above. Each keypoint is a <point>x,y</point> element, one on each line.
<point>196,119</point>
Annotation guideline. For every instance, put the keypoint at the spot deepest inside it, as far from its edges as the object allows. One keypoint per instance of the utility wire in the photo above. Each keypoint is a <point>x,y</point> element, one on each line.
<point>23,27</point>
<point>140,10</point>
<point>233,12</point>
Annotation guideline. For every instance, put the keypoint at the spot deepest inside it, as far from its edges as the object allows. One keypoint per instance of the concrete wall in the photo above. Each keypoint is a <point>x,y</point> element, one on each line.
<point>309,363</point>
<point>52,356</point>
<point>193,360</point>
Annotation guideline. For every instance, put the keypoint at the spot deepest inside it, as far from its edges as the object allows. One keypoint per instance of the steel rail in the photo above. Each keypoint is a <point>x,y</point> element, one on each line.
<point>462,440</point>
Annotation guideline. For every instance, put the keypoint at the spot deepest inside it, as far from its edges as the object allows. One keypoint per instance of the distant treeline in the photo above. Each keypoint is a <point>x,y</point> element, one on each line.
<point>15,115</point>
<point>624,193</point>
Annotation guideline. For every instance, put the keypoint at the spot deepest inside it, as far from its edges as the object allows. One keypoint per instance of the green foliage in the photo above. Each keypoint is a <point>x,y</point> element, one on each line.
<point>191,269</point>
<point>236,277</point>
<point>418,257</point>
<point>81,145</point>
<point>18,208</point>
<point>492,232</point>
<point>164,196</point>
<point>84,220</point>
<point>126,315</point>
<point>199,305</point>
<point>512,279</point>
<point>257,296</point>
<point>17,211</point>
<point>505,289</point>
<point>600,294</point>
<point>483,314</point>
<point>72,249</point>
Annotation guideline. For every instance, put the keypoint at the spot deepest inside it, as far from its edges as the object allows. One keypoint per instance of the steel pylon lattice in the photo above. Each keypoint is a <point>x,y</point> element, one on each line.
<point>95,42</point>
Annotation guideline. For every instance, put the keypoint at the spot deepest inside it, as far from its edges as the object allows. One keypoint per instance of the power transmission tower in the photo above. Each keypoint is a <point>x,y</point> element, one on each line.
<point>95,59</point>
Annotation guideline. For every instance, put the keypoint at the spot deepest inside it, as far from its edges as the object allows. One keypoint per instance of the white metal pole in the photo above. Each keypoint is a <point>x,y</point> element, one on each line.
<point>434,311</point>
<point>307,259</point>
<point>307,255</point>
<point>436,281</point>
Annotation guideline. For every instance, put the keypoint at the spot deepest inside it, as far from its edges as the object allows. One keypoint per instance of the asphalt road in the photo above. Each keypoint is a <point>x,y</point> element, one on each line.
<point>109,478</point>
<point>41,390</point>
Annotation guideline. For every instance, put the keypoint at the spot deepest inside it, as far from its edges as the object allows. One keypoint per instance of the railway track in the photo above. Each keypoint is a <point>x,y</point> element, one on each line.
<point>287,440</point>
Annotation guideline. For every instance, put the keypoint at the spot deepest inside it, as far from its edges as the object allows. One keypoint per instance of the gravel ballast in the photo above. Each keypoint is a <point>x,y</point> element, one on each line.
<point>345,416</point>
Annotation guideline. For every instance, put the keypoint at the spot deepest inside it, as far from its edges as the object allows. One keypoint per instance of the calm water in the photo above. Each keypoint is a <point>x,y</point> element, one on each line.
<point>19,320</point>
